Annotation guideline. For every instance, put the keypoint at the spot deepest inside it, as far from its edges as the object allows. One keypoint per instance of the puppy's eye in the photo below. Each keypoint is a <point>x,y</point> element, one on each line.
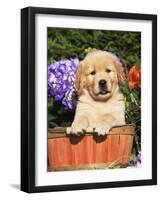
<point>93,72</point>
<point>108,70</point>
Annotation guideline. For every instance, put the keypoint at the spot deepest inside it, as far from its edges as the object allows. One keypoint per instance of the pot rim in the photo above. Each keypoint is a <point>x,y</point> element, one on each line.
<point>58,132</point>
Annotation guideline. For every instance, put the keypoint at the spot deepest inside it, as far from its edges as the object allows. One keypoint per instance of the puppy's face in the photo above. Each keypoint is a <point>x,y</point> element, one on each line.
<point>98,74</point>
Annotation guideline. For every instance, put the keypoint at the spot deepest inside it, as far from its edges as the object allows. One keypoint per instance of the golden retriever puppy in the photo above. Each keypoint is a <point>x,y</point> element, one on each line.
<point>100,103</point>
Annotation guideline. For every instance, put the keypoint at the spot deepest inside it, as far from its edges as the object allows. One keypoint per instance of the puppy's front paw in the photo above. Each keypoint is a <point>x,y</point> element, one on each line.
<point>102,130</point>
<point>78,128</point>
<point>77,131</point>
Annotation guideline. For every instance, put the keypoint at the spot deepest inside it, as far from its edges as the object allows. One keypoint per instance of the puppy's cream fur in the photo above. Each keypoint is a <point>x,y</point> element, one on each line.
<point>95,109</point>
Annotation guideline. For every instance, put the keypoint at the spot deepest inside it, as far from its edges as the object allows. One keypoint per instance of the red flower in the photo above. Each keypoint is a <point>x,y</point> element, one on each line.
<point>135,77</point>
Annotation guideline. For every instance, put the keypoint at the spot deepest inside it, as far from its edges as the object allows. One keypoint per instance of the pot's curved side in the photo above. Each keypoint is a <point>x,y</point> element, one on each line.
<point>70,152</point>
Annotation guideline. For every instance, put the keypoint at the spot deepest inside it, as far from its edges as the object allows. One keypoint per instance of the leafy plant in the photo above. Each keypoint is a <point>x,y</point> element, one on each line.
<point>132,95</point>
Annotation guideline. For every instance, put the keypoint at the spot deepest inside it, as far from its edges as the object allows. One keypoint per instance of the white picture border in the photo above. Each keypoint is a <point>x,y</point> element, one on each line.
<point>44,178</point>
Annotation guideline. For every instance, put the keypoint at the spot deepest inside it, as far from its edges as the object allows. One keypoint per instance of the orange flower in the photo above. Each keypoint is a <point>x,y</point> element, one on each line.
<point>135,77</point>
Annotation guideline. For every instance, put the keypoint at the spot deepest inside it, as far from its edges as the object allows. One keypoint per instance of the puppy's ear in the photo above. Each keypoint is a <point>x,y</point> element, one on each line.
<point>80,79</point>
<point>120,68</point>
<point>120,75</point>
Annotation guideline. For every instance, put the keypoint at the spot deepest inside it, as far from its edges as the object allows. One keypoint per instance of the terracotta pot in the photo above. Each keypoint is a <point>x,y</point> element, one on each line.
<point>89,151</point>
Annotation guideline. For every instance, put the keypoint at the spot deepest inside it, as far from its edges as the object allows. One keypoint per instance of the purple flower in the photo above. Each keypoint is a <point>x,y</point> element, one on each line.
<point>61,77</point>
<point>138,160</point>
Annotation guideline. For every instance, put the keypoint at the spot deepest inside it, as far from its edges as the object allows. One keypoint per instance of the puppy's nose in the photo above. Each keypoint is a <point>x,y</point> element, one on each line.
<point>102,83</point>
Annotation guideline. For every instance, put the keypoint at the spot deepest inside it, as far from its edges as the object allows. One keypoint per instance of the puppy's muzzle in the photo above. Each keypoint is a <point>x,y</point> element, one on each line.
<point>103,87</point>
